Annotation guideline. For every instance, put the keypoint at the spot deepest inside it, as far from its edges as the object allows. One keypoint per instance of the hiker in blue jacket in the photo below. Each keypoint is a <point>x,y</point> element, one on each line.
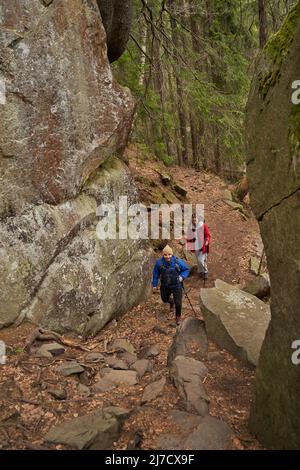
<point>171,272</point>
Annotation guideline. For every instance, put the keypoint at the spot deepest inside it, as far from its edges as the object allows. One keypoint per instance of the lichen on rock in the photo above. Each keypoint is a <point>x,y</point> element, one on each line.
<point>273,169</point>
<point>63,124</point>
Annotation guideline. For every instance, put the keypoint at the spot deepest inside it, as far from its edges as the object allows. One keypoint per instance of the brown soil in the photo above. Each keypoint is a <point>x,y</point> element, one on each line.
<point>28,411</point>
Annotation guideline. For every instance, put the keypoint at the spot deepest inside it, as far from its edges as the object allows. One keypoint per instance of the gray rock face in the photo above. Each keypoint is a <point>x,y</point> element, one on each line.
<point>56,271</point>
<point>96,431</point>
<point>188,375</point>
<point>63,116</point>
<point>235,320</point>
<point>63,113</point>
<point>274,177</point>
<point>190,340</point>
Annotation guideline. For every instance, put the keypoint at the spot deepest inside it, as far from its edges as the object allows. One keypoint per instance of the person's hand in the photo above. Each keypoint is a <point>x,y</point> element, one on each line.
<point>180,279</point>
<point>206,242</point>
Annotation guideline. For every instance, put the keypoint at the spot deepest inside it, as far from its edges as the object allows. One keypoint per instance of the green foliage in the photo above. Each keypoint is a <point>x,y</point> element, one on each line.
<point>188,65</point>
<point>277,48</point>
<point>279,44</point>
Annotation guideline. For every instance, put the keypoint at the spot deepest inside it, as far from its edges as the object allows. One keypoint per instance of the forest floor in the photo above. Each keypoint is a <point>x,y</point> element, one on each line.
<point>28,409</point>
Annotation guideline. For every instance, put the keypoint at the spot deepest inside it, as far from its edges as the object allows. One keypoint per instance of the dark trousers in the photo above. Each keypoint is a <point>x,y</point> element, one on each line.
<point>166,293</point>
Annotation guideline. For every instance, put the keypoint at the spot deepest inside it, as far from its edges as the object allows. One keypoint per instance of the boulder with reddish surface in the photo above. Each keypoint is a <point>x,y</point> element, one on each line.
<point>62,116</point>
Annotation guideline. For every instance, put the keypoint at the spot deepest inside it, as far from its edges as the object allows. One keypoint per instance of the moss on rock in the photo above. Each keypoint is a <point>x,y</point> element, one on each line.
<point>277,49</point>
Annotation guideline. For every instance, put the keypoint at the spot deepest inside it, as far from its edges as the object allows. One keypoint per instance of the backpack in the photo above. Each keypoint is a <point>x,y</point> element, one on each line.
<point>169,274</point>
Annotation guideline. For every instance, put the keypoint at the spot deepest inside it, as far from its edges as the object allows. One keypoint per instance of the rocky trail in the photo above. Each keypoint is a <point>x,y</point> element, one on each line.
<point>119,390</point>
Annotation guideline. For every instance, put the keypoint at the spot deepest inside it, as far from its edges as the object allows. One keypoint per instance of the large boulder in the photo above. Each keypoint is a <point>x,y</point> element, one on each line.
<point>273,158</point>
<point>235,320</point>
<point>62,116</point>
<point>56,272</point>
<point>63,113</point>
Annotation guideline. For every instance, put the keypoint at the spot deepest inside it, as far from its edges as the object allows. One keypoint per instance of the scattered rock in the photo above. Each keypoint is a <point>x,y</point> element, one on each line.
<point>70,368</point>
<point>83,390</point>
<point>57,393</point>
<point>196,433</point>
<point>180,190</point>
<point>188,375</point>
<point>186,421</point>
<point>54,349</point>
<point>149,351</point>
<point>260,287</point>
<point>210,434</point>
<point>95,357</point>
<point>129,358</point>
<point>103,385</point>
<point>95,431</point>
<point>153,390</point>
<point>85,377</point>
<point>116,363</point>
<point>158,329</point>
<point>141,367</point>
<point>122,345</point>
<point>190,340</point>
<point>165,179</point>
<point>128,377</point>
<point>43,353</point>
<point>235,320</point>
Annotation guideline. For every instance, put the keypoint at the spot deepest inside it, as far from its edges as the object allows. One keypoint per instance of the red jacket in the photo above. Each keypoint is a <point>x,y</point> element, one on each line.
<point>198,238</point>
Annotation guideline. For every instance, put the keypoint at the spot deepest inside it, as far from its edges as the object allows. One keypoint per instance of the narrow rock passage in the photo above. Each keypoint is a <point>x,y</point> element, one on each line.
<point>126,365</point>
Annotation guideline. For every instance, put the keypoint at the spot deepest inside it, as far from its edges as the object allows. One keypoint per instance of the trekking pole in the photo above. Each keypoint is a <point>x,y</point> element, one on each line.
<point>205,266</point>
<point>189,300</point>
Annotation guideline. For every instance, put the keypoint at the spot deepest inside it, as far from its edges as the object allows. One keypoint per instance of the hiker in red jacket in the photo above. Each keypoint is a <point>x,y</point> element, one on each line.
<point>197,241</point>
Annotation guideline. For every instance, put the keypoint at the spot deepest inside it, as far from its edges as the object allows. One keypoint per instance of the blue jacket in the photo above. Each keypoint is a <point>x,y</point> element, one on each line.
<point>184,270</point>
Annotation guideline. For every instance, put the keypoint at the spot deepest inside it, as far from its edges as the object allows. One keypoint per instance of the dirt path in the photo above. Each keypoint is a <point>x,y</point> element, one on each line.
<point>28,410</point>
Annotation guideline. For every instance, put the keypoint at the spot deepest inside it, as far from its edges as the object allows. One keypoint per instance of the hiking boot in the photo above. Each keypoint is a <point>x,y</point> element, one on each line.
<point>205,276</point>
<point>178,320</point>
<point>172,306</point>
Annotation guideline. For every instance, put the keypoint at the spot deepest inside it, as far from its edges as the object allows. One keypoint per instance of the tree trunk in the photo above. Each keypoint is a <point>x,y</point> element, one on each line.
<point>263,30</point>
<point>179,88</point>
<point>158,82</point>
